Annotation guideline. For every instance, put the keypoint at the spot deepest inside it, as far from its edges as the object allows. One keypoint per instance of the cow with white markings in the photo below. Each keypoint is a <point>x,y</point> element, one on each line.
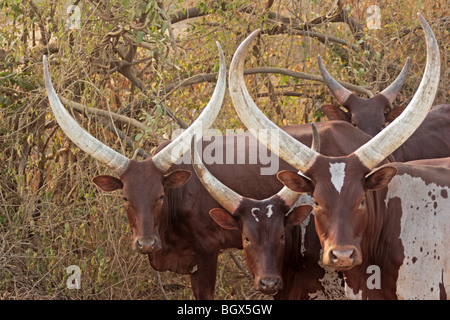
<point>392,220</point>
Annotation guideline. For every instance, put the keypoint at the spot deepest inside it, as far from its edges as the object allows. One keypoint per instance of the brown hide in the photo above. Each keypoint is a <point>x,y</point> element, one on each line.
<point>187,230</point>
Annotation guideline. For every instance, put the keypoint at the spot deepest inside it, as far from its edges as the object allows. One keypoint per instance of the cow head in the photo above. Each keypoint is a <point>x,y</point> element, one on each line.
<point>369,115</point>
<point>262,223</point>
<point>143,183</point>
<point>340,185</point>
<point>340,188</point>
<point>143,187</point>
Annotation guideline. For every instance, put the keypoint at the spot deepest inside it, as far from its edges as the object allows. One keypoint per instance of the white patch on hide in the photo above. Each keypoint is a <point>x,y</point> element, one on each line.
<point>254,215</point>
<point>351,295</point>
<point>425,235</point>
<point>269,210</point>
<point>337,171</point>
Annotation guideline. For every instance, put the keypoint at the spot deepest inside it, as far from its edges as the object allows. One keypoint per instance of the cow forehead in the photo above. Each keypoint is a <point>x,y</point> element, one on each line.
<point>375,105</point>
<point>257,212</point>
<point>269,212</point>
<point>334,174</point>
<point>142,177</point>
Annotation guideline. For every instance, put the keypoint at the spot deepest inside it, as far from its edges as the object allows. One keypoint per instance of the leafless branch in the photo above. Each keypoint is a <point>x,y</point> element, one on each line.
<point>211,77</point>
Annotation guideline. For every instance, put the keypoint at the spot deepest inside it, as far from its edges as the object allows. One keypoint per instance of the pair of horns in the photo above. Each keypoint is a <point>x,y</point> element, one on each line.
<point>342,94</point>
<point>370,154</point>
<point>227,197</point>
<point>166,157</point>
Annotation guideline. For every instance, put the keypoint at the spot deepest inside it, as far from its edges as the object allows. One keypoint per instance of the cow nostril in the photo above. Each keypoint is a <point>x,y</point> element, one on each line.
<point>269,283</point>
<point>332,256</point>
<point>342,256</point>
<point>145,246</point>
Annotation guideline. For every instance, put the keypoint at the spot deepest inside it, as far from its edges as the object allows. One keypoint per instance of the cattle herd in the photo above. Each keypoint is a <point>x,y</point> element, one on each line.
<point>357,209</point>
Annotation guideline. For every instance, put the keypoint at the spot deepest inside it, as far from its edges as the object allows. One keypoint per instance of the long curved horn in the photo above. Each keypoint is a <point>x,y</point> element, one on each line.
<point>338,91</point>
<point>78,135</point>
<point>228,198</point>
<point>394,88</point>
<point>398,131</point>
<point>299,155</point>
<point>290,197</point>
<point>172,152</point>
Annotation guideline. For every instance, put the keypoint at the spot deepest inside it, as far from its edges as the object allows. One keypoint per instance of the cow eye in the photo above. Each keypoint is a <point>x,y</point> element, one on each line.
<point>246,240</point>
<point>363,203</point>
<point>125,199</point>
<point>282,238</point>
<point>316,204</point>
<point>161,197</point>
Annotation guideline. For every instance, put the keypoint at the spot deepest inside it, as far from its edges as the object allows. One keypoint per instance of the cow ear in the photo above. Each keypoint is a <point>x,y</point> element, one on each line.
<point>223,218</point>
<point>298,215</point>
<point>176,179</point>
<point>335,113</point>
<point>108,183</point>
<point>380,177</point>
<point>393,114</point>
<point>295,182</point>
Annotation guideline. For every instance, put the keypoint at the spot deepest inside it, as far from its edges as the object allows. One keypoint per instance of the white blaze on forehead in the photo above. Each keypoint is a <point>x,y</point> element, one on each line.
<point>337,171</point>
<point>254,215</point>
<point>269,210</point>
<point>425,235</point>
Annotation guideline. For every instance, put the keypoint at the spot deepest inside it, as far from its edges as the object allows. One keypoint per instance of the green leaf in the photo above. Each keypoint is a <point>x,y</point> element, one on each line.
<point>164,26</point>
<point>140,36</point>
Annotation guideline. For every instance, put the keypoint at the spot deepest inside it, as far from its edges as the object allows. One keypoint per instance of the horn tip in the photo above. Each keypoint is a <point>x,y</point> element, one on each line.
<point>422,20</point>
<point>319,61</point>
<point>254,34</point>
<point>408,62</point>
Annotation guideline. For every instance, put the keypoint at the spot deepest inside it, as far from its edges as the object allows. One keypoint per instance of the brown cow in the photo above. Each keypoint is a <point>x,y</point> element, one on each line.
<point>430,140</point>
<point>355,220</point>
<point>146,183</point>
<point>369,115</point>
<point>169,216</point>
<point>262,223</point>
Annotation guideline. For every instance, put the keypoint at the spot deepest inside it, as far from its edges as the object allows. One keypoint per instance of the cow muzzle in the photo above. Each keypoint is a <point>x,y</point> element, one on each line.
<point>342,258</point>
<point>146,245</point>
<point>269,284</point>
